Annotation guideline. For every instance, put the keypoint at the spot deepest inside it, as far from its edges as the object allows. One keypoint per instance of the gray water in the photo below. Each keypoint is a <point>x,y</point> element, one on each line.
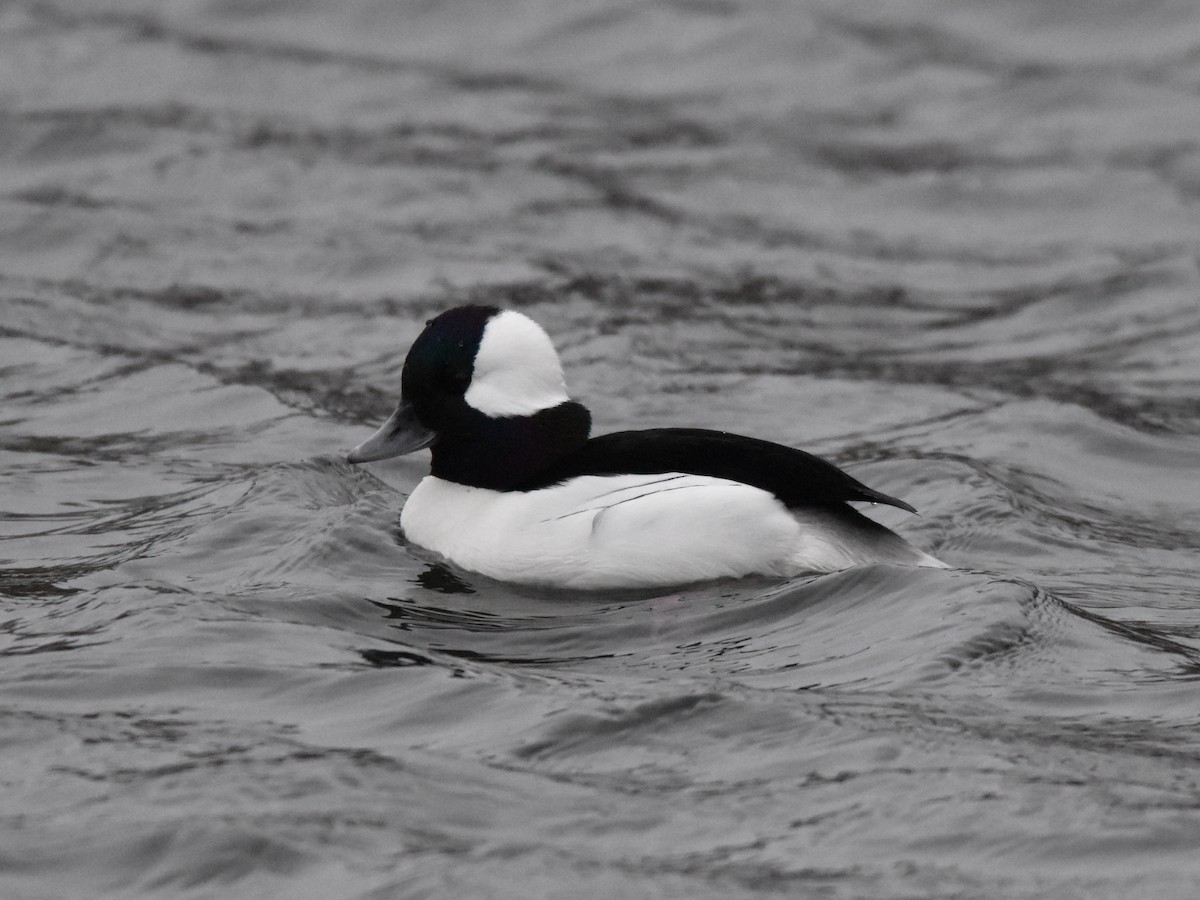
<point>951,246</point>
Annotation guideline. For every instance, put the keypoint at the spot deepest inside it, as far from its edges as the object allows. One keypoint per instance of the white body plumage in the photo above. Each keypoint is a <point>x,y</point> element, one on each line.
<point>612,531</point>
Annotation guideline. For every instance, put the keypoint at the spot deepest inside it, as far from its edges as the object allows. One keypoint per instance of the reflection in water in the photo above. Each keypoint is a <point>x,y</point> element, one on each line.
<point>439,578</point>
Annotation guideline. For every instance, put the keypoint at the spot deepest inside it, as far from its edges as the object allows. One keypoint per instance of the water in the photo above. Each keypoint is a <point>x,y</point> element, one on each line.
<point>952,247</point>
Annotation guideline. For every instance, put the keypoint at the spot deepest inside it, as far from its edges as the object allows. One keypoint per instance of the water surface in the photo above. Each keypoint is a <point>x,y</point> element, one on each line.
<point>952,247</point>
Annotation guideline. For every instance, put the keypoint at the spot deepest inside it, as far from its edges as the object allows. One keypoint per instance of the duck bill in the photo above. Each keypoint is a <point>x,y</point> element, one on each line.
<point>400,434</point>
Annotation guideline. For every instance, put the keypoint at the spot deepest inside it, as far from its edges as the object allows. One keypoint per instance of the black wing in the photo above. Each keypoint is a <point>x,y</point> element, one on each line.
<point>795,477</point>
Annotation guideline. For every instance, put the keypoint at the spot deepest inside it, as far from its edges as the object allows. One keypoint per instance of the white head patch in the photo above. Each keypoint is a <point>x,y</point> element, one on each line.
<point>517,371</point>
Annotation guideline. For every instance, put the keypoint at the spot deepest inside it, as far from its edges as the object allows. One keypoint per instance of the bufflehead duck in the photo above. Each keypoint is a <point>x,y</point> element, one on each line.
<point>518,491</point>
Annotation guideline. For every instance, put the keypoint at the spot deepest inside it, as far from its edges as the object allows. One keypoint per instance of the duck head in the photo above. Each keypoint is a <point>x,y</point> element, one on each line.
<point>483,388</point>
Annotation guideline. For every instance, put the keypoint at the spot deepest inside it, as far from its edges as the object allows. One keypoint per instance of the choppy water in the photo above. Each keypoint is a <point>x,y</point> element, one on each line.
<point>952,246</point>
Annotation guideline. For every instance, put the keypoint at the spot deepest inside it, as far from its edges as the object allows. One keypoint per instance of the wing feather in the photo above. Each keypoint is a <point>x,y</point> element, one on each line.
<point>795,477</point>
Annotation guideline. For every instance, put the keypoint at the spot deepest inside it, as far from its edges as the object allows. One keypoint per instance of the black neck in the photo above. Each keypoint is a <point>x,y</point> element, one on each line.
<point>504,453</point>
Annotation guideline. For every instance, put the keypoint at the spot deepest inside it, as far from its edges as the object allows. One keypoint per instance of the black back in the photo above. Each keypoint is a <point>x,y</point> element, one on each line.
<point>795,477</point>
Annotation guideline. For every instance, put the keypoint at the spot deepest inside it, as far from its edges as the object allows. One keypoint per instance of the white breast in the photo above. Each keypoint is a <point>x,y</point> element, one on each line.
<point>621,531</point>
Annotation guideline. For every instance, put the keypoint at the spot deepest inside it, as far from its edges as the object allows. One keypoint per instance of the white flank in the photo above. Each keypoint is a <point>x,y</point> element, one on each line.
<point>607,531</point>
<point>517,371</point>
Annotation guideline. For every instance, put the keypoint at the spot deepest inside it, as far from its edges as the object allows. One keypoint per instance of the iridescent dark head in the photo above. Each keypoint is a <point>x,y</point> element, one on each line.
<point>484,387</point>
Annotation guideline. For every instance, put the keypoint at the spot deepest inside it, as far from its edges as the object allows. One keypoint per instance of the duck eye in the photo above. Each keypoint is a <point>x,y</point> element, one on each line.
<point>458,380</point>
